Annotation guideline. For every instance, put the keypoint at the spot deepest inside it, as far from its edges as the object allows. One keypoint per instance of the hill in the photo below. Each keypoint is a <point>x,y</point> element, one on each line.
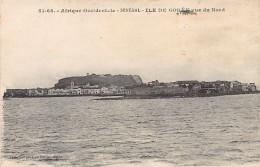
<point>102,80</point>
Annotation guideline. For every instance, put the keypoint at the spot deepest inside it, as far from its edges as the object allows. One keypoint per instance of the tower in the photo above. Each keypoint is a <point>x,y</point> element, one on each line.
<point>71,85</point>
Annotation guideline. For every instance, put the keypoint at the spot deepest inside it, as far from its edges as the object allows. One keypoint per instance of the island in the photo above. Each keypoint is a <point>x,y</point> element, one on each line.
<point>132,87</point>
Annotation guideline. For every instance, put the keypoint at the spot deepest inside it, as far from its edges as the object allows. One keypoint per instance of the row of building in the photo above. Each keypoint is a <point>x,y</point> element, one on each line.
<point>151,88</point>
<point>81,90</point>
<point>209,87</point>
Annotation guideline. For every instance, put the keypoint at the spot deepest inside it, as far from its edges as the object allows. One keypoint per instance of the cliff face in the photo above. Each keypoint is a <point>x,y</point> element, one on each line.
<point>108,80</point>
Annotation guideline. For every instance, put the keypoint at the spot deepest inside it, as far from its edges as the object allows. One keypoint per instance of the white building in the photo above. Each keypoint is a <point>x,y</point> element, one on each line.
<point>59,92</point>
<point>76,91</point>
<point>90,91</point>
<point>35,92</point>
<point>104,90</point>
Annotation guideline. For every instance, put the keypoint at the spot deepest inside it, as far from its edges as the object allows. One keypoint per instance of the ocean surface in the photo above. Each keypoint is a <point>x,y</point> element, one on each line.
<point>81,131</point>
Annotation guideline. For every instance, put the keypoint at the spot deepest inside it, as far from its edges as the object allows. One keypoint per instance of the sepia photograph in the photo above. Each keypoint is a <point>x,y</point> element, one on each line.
<point>127,83</point>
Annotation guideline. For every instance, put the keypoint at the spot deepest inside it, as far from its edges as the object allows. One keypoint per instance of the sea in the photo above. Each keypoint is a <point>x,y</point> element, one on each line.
<point>85,132</point>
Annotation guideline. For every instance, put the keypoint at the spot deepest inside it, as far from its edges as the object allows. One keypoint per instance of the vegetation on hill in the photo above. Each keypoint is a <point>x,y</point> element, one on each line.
<point>107,80</point>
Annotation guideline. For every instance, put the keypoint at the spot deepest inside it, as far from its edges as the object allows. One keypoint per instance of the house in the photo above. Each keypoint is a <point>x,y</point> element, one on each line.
<point>208,87</point>
<point>113,89</point>
<point>123,90</point>
<point>76,91</point>
<point>104,90</point>
<point>190,85</point>
<point>59,92</point>
<point>222,86</point>
<point>245,87</point>
<point>172,84</point>
<point>236,86</point>
<point>252,87</point>
<point>90,91</point>
<point>187,83</point>
<point>32,92</point>
<point>38,92</point>
<point>154,83</point>
<point>196,87</point>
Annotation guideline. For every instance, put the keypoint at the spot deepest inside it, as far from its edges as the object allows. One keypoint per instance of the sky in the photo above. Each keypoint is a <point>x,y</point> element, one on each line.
<point>39,49</point>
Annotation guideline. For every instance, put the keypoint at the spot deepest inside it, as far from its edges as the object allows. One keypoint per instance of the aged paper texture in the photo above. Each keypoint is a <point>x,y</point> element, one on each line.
<point>157,45</point>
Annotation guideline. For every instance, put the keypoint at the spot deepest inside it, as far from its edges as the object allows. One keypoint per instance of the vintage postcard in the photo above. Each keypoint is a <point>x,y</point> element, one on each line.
<point>128,83</point>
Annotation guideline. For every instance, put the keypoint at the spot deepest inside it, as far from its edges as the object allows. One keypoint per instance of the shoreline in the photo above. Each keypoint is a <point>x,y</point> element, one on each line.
<point>129,97</point>
<point>46,96</point>
<point>126,97</point>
